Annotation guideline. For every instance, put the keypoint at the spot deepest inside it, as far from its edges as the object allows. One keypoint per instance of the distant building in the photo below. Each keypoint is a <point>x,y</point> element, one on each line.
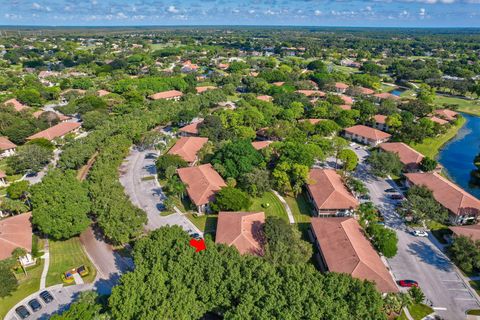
<point>187,148</point>
<point>438,120</point>
<point>17,105</point>
<point>343,248</point>
<point>462,206</point>
<point>366,135</point>
<point>341,87</point>
<point>259,145</point>
<point>446,114</point>
<point>243,230</point>
<point>190,130</point>
<point>205,88</point>
<point>265,98</point>
<point>385,96</point>
<point>202,182</point>
<point>380,122</point>
<point>102,93</point>
<point>167,95</point>
<point>57,131</point>
<point>329,195</point>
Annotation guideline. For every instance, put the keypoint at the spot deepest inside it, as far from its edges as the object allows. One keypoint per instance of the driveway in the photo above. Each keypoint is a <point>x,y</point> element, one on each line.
<point>137,175</point>
<point>419,258</point>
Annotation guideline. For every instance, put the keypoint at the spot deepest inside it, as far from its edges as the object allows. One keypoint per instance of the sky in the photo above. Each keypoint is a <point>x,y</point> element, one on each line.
<point>359,13</point>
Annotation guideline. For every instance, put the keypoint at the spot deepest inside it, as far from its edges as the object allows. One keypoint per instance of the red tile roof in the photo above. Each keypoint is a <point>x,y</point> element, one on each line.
<point>472,231</point>
<point>17,105</point>
<point>191,128</point>
<point>345,107</point>
<point>309,93</point>
<point>312,121</point>
<point>166,95</point>
<point>205,88</point>
<point>328,191</point>
<point>408,156</point>
<point>15,232</point>
<point>448,194</point>
<point>102,92</point>
<point>380,118</point>
<point>346,250</point>
<point>447,114</point>
<point>346,99</point>
<point>188,147</point>
<point>386,95</point>
<point>366,91</point>
<point>367,132</point>
<point>6,144</point>
<point>278,84</point>
<point>244,230</point>
<point>202,183</point>
<point>258,145</point>
<point>58,130</point>
<point>341,85</point>
<point>438,120</point>
<point>265,98</point>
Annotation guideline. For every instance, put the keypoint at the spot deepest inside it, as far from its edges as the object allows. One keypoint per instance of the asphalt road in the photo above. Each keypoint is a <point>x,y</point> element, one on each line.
<point>420,258</point>
<point>147,193</point>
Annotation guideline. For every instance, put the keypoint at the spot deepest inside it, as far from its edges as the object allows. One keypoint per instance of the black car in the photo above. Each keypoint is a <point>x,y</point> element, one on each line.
<point>22,312</point>
<point>396,197</point>
<point>389,190</point>
<point>35,305</point>
<point>46,296</point>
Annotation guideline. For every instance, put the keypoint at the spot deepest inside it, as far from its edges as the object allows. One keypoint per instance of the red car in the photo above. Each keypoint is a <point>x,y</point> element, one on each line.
<point>408,283</point>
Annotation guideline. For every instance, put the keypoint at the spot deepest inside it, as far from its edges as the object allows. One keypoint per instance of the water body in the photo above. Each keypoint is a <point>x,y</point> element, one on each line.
<point>457,155</point>
<point>397,92</point>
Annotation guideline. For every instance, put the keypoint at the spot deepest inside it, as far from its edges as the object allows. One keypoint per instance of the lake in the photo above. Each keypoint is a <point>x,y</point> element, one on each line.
<point>457,155</point>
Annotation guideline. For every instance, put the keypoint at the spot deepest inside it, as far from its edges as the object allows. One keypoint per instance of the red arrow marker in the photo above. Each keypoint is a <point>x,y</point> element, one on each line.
<point>199,245</point>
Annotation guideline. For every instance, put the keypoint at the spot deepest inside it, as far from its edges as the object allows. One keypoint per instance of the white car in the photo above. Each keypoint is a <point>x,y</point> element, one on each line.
<point>420,233</point>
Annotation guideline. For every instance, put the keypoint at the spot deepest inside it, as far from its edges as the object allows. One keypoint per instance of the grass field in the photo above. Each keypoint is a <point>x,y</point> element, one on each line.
<point>66,255</point>
<point>431,146</point>
<point>301,208</point>
<point>206,223</point>
<point>344,69</point>
<point>464,105</point>
<point>275,207</point>
<point>419,311</point>
<point>26,286</point>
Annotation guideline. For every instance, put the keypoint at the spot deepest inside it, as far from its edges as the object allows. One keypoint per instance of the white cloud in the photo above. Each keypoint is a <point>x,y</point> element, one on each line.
<point>121,15</point>
<point>422,13</point>
<point>36,6</point>
<point>317,13</point>
<point>172,9</point>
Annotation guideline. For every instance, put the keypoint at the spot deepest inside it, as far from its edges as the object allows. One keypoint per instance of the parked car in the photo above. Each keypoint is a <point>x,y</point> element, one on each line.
<point>408,283</point>
<point>196,236</point>
<point>46,296</point>
<point>390,190</point>
<point>22,312</point>
<point>420,233</point>
<point>35,305</point>
<point>396,196</point>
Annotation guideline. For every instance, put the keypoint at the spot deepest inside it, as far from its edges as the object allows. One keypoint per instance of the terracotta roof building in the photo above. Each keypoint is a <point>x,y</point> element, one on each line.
<point>447,114</point>
<point>243,230</point>
<point>438,120</point>
<point>341,87</point>
<point>259,145</point>
<point>328,193</point>
<point>345,107</point>
<point>102,93</point>
<point>265,98</point>
<point>278,84</point>
<point>386,95</point>
<point>187,148</point>
<point>366,135</point>
<point>7,147</point>
<point>203,182</point>
<point>410,157</point>
<point>205,88</point>
<point>380,122</point>
<point>462,206</point>
<point>190,129</point>
<point>470,231</point>
<point>167,95</point>
<point>17,105</point>
<point>311,121</point>
<point>312,93</point>
<point>366,91</point>
<point>346,99</point>
<point>15,232</point>
<point>57,131</point>
<point>344,248</point>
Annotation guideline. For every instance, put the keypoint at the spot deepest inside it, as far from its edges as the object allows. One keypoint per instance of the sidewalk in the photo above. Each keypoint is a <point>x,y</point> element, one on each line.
<point>46,257</point>
<point>287,207</point>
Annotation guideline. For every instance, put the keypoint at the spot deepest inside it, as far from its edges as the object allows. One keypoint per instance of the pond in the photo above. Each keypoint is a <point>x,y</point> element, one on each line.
<point>458,154</point>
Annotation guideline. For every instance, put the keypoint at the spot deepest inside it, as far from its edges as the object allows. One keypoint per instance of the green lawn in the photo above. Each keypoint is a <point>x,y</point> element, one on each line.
<point>66,255</point>
<point>464,105</point>
<point>206,223</point>
<point>275,207</point>
<point>301,208</point>
<point>345,69</point>
<point>438,230</point>
<point>419,311</point>
<point>26,286</point>
<point>431,146</point>
<point>474,312</point>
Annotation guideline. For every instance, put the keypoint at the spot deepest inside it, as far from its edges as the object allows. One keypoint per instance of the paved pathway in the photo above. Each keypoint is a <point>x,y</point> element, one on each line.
<point>285,204</point>
<point>46,257</point>
<point>147,193</point>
